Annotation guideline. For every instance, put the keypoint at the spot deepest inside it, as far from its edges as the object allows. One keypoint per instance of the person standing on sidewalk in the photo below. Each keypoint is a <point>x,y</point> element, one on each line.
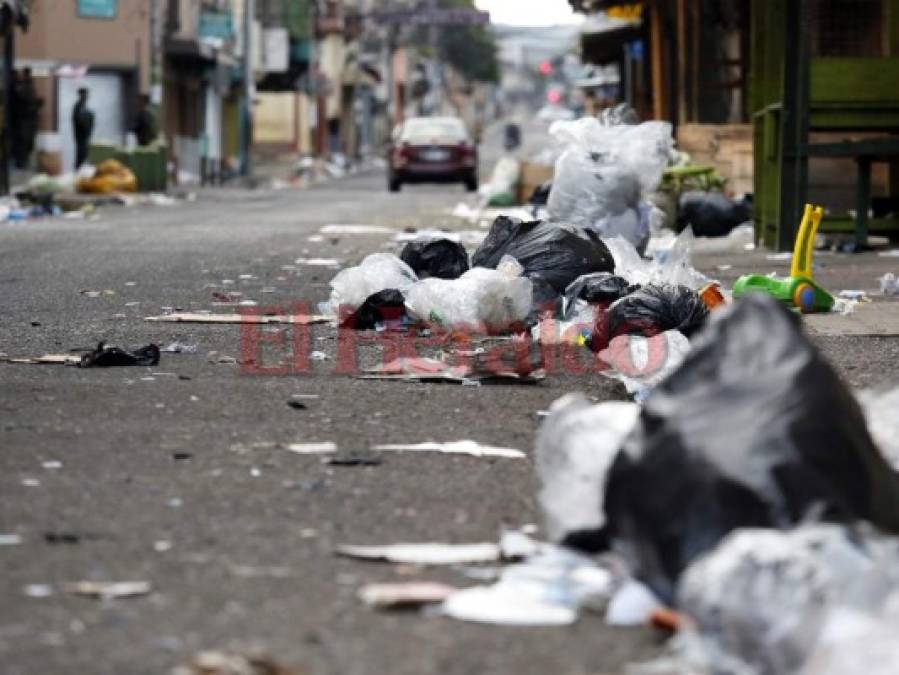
<point>26,107</point>
<point>144,122</point>
<point>83,125</point>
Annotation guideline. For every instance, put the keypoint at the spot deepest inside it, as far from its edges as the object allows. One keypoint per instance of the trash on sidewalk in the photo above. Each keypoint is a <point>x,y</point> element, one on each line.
<point>799,290</point>
<point>576,446</point>
<point>889,284</point>
<point>377,272</point>
<point>225,663</point>
<point>641,362</point>
<point>632,604</point>
<point>109,590</point>
<point>387,307</point>
<point>754,429</point>
<point>472,448</point>
<point>440,258</point>
<point>355,229</point>
<point>179,348</point>
<point>789,602</point>
<point>558,254</point>
<point>96,294</point>
<point>111,176</point>
<point>106,357</point>
<point>712,213</point>
<point>404,595</point>
<point>603,174</point>
<point>425,554</point>
<point>433,370</point>
<point>670,263</point>
<point>495,299</point>
<point>549,588</point>
<point>655,309</point>
<point>197,317</point>
<point>320,448</point>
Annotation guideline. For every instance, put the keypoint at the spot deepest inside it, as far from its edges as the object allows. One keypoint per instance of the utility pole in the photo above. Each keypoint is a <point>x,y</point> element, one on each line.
<point>9,55</point>
<point>246,127</point>
<point>436,70</point>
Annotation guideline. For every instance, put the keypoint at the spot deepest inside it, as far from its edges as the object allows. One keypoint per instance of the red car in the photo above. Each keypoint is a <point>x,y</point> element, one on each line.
<point>432,150</point>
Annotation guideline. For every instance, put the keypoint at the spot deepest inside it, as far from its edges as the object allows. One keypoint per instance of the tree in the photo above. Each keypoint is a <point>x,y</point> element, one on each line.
<point>469,49</point>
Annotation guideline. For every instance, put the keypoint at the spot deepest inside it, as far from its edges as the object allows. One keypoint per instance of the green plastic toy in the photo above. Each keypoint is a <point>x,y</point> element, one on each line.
<point>799,290</point>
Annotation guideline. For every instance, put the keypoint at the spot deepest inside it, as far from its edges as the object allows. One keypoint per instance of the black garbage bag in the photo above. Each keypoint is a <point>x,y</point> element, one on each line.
<point>601,288</point>
<point>106,357</point>
<point>560,253</point>
<point>439,258</point>
<point>540,195</point>
<point>655,308</point>
<point>712,214</point>
<point>755,429</point>
<point>384,306</point>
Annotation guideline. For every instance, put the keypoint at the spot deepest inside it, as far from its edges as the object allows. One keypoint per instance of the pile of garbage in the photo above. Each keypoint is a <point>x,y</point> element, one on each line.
<point>747,492</point>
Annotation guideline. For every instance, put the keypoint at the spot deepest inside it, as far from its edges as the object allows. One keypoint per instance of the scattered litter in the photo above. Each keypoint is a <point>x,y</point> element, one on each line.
<point>225,663</point>
<point>472,448</point>
<point>355,458</point>
<point>179,348</point>
<point>425,554</point>
<point>892,253</point>
<point>46,359</point>
<point>440,258</point>
<point>318,262</point>
<point>549,589</point>
<point>52,464</point>
<point>31,482</point>
<point>598,288</point>
<point>432,370</point>
<point>221,359</point>
<point>297,405</point>
<point>404,596</point>
<point>318,356</point>
<point>96,294</point>
<point>38,590</point>
<point>322,448</point>
<point>355,229</point>
<point>640,362</point>
<point>712,213</point>
<point>671,263</point>
<point>196,317</point>
<point>10,539</point>
<point>889,284</point>
<point>109,590</point>
<point>632,605</point>
<point>558,254</point>
<point>754,429</point>
<point>786,256</point>
<point>108,357</point>
<point>854,295</point>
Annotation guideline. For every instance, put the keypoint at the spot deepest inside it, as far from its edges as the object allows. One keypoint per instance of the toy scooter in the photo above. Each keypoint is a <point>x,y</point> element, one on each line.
<point>799,290</point>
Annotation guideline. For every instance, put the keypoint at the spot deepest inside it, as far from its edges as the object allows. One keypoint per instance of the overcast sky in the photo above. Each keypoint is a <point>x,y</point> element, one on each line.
<point>529,12</point>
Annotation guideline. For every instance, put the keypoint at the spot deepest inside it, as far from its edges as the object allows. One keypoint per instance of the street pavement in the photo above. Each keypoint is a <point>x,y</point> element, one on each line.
<point>163,474</point>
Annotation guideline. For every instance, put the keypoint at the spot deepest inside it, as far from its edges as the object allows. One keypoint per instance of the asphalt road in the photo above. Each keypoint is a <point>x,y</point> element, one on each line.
<point>160,477</point>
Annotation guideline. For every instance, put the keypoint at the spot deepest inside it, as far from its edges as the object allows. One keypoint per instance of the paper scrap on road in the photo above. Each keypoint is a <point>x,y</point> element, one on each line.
<point>404,596</point>
<point>106,590</point>
<point>466,447</point>
<point>10,539</point>
<point>433,370</point>
<point>425,554</point>
<point>196,317</point>
<point>46,359</point>
<point>322,448</point>
<point>318,262</point>
<point>356,229</point>
<point>224,663</point>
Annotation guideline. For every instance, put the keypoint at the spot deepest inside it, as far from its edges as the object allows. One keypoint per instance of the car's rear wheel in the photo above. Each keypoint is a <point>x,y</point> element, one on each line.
<point>471,183</point>
<point>394,185</point>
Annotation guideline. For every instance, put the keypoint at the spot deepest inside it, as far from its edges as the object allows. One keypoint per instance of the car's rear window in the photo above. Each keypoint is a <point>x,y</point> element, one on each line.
<point>434,129</point>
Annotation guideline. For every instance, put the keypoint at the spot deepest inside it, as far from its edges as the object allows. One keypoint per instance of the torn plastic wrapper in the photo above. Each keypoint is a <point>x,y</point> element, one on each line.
<point>432,370</point>
<point>106,357</point>
<point>377,272</point>
<point>640,363</point>
<point>405,595</point>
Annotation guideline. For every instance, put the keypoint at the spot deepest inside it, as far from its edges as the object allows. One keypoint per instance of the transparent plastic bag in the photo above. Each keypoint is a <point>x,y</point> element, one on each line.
<point>575,448</point>
<point>670,265</point>
<point>604,171</point>
<point>377,272</point>
<point>493,299</point>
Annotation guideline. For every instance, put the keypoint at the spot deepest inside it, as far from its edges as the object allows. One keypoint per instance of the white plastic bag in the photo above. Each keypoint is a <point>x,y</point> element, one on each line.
<point>482,297</point>
<point>575,448</point>
<point>604,171</point>
<point>670,265</point>
<point>377,272</point>
<point>640,362</point>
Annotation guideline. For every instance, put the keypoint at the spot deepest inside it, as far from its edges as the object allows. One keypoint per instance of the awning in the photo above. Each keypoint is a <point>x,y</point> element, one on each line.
<point>603,39</point>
